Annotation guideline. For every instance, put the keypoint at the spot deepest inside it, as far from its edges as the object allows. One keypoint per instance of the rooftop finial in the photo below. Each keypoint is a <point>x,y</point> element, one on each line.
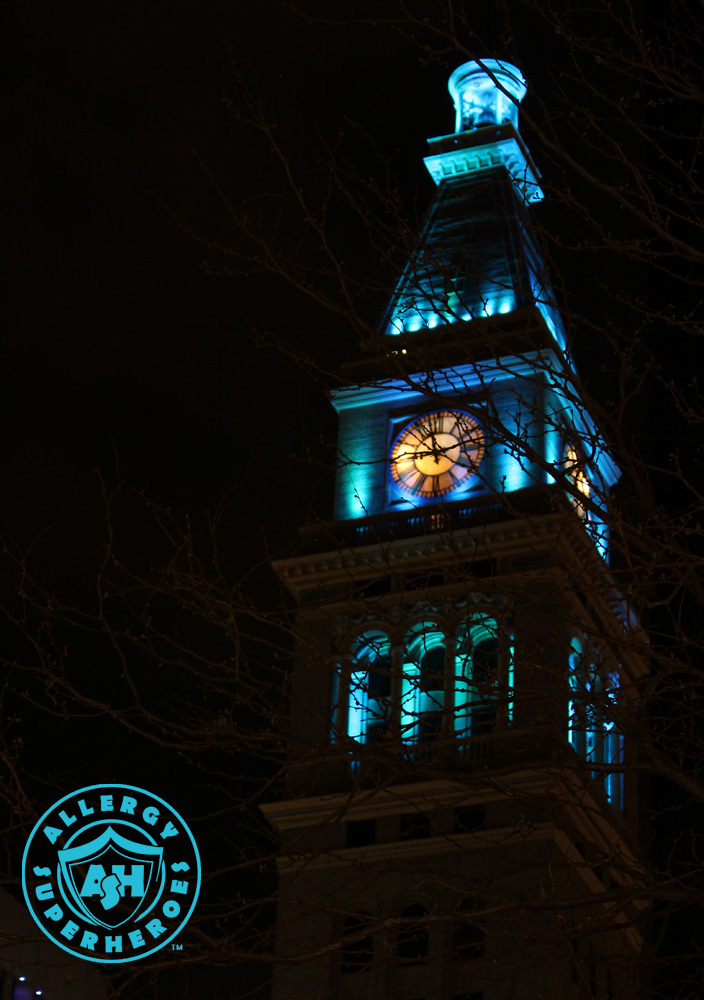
<point>486,93</point>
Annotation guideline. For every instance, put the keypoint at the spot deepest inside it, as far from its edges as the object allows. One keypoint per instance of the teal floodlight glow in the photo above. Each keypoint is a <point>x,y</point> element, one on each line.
<point>486,93</point>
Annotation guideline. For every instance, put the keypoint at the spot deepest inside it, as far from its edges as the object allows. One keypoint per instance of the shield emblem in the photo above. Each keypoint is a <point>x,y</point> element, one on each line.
<point>110,878</point>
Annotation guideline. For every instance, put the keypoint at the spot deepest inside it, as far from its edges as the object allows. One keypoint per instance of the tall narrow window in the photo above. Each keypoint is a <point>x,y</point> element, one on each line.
<point>585,705</point>
<point>585,498</point>
<point>468,935</point>
<point>576,474</point>
<point>369,712</point>
<point>577,722</point>
<point>339,710</point>
<point>422,697</point>
<point>594,715</point>
<point>593,731</point>
<point>357,947</point>
<point>412,942</point>
<point>476,677</point>
<point>511,676</point>
<point>613,743</point>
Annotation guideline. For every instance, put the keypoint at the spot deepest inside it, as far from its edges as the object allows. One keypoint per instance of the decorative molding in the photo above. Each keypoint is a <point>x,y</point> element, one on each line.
<point>465,159</point>
<point>443,548</point>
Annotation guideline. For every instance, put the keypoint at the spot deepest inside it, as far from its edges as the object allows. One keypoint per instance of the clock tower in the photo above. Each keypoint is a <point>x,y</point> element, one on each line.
<point>458,818</point>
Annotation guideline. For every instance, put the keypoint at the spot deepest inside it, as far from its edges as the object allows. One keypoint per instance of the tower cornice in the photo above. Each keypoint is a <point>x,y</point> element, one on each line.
<point>467,153</point>
<point>473,376</point>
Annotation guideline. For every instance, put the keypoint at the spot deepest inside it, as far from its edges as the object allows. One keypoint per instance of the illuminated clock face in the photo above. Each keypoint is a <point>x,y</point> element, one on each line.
<point>437,453</point>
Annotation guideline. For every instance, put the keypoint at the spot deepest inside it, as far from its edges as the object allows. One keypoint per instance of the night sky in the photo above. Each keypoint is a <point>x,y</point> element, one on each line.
<point>122,353</point>
<point>128,364</point>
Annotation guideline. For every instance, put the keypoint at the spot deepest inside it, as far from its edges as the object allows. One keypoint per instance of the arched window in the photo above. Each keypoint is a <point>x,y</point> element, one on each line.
<point>440,676</point>
<point>468,935</point>
<point>357,949</point>
<point>423,689</point>
<point>369,712</point>
<point>476,677</point>
<point>412,941</point>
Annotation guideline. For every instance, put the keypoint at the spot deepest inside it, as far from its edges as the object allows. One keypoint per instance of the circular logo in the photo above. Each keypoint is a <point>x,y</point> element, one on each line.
<point>111,873</point>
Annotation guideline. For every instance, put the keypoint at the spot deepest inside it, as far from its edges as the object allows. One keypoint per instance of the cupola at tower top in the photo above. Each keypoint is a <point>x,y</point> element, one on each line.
<point>486,93</point>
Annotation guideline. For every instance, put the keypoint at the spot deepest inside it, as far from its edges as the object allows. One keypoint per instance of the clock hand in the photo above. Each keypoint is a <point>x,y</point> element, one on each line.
<point>435,450</point>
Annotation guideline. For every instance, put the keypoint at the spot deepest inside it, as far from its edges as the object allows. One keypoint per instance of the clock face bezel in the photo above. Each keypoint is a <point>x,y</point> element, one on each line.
<point>436,453</point>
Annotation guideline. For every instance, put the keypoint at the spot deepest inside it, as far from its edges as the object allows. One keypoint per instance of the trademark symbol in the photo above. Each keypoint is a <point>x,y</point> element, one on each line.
<point>177,947</point>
